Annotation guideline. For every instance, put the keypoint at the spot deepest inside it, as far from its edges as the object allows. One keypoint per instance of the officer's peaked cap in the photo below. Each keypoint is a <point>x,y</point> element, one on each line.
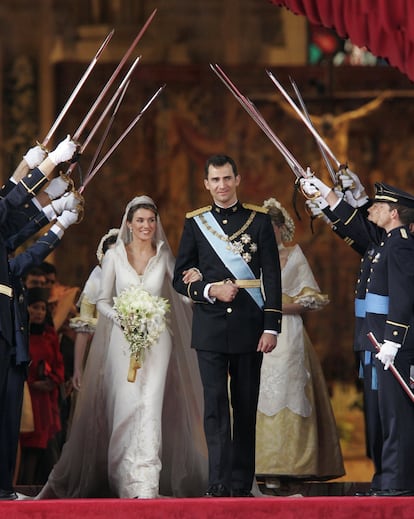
<point>387,193</point>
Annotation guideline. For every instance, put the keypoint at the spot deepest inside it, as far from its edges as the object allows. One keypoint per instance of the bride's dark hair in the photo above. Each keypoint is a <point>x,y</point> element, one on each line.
<point>135,208</point>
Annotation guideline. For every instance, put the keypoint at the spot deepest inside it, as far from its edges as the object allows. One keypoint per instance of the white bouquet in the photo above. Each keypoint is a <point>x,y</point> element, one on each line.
<point>142,317</point>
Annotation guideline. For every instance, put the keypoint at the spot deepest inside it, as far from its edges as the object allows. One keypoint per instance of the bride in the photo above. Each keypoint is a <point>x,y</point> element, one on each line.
<point>126,439</point>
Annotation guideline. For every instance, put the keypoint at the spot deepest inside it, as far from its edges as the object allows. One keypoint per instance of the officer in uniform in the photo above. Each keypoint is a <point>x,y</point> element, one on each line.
<point>386,309</point>
<point>237,315</point>
<point>69,208</point>
<point>17,197</point>
<point>354,208</point>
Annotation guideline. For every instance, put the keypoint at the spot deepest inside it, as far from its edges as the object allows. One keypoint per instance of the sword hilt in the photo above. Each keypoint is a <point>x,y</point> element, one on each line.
<point>317,194</point>
<point>343,170</point>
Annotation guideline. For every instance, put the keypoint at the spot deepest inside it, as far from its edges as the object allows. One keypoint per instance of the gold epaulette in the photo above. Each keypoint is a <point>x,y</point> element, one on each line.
<point>403,233</point>
<point>201,210</point>
<point>257,208</point>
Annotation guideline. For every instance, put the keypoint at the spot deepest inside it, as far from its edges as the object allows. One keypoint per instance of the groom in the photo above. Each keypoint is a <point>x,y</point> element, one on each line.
<point>237,316</point>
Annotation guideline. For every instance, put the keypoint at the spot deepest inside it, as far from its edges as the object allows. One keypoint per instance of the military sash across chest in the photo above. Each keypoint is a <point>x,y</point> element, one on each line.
<point>232,260</point>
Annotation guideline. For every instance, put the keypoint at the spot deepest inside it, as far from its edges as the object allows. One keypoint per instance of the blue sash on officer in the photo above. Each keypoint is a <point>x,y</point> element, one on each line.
<point>234,262</point>
<point>373,304</point>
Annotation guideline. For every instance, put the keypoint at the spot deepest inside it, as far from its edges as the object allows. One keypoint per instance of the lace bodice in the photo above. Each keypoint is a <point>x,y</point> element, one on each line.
<point>118,274</point>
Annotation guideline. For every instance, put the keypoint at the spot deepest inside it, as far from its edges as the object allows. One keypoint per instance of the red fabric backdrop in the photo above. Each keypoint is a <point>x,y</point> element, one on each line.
<point>385,27</point>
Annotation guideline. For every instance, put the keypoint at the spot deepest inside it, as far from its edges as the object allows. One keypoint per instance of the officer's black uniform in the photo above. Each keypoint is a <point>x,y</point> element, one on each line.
<point>387,310</point>
<point>19,355</point>
<point>363,237</point>
<point>13,215</point>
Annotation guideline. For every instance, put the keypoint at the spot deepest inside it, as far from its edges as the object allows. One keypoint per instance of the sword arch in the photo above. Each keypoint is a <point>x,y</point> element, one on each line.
<point>334,129</point>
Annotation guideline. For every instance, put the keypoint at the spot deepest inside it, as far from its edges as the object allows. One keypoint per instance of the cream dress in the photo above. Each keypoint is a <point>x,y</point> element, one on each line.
<point>296,430</point>
<point>126,440</point>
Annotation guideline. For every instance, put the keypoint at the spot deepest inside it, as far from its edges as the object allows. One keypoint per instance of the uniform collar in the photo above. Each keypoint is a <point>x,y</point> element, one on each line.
<point>226,210</point>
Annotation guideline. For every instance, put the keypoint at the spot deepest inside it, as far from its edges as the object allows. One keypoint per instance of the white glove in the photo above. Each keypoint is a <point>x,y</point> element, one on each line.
<point>349,197</point>
<point>34,156</point>
<point>313,187</point>
<point>67,218</point>
<point>57,186</point>
<point>339,194</point>
<point>112,315</point>
<point>315,207</point>
<point>362,201</point>
<point>350,181</point>
<point>49,212</point>
<point>69,202</point>
<point>317,204</point>
<point>387,353</point>
<point>63,152</point>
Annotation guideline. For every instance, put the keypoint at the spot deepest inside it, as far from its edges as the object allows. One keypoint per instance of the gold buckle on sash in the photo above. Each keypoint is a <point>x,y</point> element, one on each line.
<point>241,283</point>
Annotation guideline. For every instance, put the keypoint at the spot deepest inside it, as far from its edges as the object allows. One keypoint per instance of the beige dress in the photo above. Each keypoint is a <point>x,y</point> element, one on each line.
<point>296,429</point>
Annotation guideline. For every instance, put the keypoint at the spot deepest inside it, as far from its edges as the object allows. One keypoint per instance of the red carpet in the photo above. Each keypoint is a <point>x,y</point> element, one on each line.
<point>260,508</point>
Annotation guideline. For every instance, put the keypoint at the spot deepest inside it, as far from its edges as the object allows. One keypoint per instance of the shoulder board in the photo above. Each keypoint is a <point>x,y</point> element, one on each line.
<point>201,210</point>
<point>257,208</point>
<point>403,233</point>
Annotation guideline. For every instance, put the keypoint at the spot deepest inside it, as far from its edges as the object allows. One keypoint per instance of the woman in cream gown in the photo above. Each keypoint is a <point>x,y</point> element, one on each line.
<point>126,440</point>
<point>296,430</point>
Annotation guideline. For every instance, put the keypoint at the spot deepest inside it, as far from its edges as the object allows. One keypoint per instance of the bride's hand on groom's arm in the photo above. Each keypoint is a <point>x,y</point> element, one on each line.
<point>191,275</point>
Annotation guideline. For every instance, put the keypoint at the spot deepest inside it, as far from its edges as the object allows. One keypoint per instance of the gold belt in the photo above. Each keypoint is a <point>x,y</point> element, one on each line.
<point>241,283</point>
<point>5,290</point>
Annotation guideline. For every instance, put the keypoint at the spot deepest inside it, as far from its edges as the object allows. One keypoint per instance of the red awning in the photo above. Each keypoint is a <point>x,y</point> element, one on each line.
<point>385,27</point>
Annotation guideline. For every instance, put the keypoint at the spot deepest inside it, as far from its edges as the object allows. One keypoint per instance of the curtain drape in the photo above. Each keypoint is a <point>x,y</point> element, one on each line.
<point>385,27</point>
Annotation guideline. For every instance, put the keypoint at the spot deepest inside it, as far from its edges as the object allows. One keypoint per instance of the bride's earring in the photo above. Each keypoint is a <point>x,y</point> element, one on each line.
<point>129,234</point>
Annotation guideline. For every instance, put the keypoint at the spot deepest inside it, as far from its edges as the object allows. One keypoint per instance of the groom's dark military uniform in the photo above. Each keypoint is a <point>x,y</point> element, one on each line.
<point>226,334</point>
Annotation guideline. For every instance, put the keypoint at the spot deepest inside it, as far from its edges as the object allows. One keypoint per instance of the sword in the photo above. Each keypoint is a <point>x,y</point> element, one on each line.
<point>308,125</point>
<point>107,128</point>
<point>119,91</point>
<point>321,149</point>
<point>393,369</point>
<point>76,90</point>
<point>258,118</point>
<point>120,139</point>
<point>88,116</point>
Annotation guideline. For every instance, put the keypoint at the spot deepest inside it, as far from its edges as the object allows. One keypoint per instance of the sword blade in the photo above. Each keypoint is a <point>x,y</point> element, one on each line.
<point>106,131</point>
<point>392,368</point>
<point>302,116</point>
<point>120,139</point>
<point>116,95</point>
<point>308,117</point>
<point>118,92</point>
<point>88,116</point>
<point>260,121</point>
<point>76,89</point>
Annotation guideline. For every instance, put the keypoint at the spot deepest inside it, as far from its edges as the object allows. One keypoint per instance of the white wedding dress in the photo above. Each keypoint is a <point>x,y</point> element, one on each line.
<point>126,439</point>
<point>133,409</point>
